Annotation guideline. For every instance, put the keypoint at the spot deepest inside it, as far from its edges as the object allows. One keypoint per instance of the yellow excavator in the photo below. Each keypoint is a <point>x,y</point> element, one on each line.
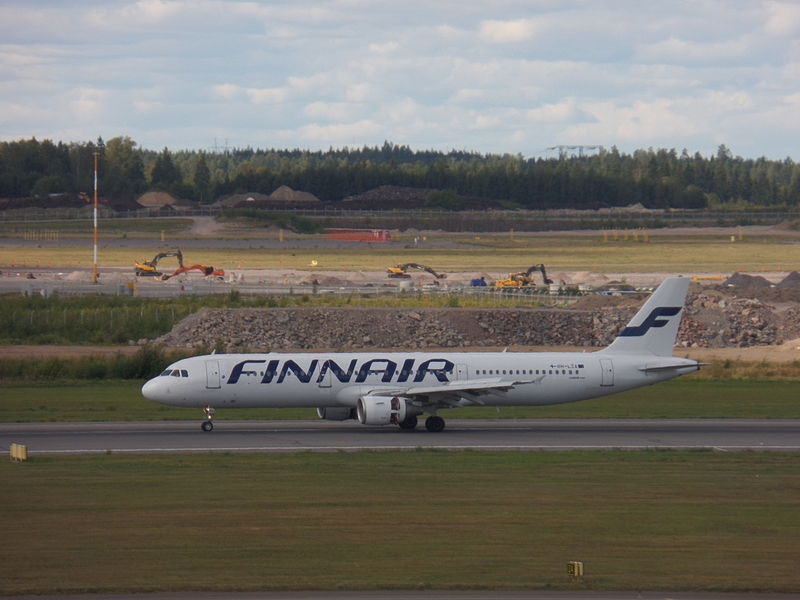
<point>523,278</point>
<point>149,268</point>
<point>401,271</point>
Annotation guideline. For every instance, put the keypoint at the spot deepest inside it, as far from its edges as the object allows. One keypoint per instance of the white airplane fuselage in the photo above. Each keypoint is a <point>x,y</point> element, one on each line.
<point>324,380</point>
<point>380,388</point>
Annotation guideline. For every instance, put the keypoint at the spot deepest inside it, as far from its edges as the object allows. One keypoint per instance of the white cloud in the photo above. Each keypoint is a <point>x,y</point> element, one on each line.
<point>267,95</point>
<point>497,76</point>
<point>226,91</point>
<point>123,16</point>
<point>782,18</point>
<point>339,134</point>
<point>385,48</point>
<point>89,103</point>
<point>677,50</point>
<point>639,123</point>
<point>331,111</point>
<point>559,112</point>
<point>503,32</point>
<point>359,92</point>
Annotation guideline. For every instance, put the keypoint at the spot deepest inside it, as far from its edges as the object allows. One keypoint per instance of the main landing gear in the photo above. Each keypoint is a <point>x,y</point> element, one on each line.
<point>208,424</point>
<point>433,423</point>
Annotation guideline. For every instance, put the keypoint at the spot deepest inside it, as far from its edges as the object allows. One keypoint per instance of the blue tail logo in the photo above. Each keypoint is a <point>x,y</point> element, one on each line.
<point>652,320</point>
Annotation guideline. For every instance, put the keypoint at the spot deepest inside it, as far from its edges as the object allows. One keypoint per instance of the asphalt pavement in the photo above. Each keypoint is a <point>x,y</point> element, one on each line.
<point>460,434</point>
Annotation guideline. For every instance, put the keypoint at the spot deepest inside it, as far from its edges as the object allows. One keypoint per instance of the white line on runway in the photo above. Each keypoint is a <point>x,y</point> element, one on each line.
<point>406,448</point>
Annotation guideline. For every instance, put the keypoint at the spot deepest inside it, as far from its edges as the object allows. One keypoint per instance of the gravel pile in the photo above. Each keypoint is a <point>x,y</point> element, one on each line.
<point>714,318</point>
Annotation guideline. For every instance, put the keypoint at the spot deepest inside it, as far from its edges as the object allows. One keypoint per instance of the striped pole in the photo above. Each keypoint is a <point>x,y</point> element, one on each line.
<point>94,230</point>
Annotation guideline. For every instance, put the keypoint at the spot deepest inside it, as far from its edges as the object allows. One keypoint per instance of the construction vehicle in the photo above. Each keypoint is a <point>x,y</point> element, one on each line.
<point>150,268</point>
<point>207,271</point>
<point>523,278</point>
<point>401,271</point>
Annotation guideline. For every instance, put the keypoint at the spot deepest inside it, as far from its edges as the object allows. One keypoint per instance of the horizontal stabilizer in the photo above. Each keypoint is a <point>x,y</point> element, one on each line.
<point>673,366</point>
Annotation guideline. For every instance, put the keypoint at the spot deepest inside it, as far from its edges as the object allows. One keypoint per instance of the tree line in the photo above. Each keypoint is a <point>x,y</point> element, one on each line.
<point>654,178</point>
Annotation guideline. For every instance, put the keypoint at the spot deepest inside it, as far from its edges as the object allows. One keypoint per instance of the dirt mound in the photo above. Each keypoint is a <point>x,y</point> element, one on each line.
<point>792,280</point>
<point>743,280</point>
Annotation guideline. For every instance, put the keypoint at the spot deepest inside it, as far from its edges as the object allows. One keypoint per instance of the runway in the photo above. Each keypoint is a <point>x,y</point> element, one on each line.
<point>460,434</point>
<point>422,595</point>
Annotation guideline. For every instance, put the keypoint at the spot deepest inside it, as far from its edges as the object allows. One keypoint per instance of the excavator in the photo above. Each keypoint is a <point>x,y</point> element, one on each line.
<point>205,270</point>
<point>523,278</point>
<point>401,271</point>
<point>150,268</point>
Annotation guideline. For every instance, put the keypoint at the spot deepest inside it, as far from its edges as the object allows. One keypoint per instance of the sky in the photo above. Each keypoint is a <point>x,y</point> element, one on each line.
<point>489,76</point>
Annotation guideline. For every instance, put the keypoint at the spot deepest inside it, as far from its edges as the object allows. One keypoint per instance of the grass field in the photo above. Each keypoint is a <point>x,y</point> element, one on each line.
<point>678,399</point>
<point>568,252</point>
<point>110,227</point>
<point>421,520</point>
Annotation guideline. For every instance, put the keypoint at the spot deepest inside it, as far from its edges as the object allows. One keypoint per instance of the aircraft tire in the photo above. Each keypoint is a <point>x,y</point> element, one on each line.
<point>207,426</point>
<point>434,424</point>
<point>409,422</point>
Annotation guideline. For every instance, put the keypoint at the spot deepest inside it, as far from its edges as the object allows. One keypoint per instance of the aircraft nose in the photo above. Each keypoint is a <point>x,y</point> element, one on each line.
<point>153,390</point>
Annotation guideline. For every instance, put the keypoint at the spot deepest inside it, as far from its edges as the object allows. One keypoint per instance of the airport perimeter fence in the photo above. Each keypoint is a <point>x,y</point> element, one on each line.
<point>456,221</point>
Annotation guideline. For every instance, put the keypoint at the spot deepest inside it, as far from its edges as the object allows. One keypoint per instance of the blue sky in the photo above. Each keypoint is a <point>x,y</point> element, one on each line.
<point>491,76</point>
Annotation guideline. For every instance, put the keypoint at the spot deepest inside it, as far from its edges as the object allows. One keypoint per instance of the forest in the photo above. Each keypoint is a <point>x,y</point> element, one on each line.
<point>654,178</point>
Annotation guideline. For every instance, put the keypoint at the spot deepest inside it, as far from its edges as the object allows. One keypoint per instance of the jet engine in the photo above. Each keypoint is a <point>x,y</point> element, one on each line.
<point>335,413</point>
<point>381,410</point>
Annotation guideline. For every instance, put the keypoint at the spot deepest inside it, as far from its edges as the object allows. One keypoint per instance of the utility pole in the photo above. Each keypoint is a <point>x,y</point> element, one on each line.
<point>96,155</point>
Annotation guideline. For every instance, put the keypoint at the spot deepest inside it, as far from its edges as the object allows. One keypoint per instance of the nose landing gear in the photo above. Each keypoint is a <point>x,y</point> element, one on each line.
<point>208,424</point>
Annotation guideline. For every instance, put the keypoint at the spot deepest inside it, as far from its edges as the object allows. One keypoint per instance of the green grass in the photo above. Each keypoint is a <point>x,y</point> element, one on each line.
<point>118,319</point>
<point>72,228</point>
<point>107,400</point>
<point>115,400</point>
<point>420,520</point>
<point>687,254</point>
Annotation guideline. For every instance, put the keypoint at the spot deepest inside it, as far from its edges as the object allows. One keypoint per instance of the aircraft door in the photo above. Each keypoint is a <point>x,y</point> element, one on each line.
<point>212,374</point>
<point>607,372</point>
<point>462,372</point>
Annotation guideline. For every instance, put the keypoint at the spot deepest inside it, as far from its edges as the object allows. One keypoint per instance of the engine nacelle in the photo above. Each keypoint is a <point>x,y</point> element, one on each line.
<point>381,410</point>
<point>335,413</point>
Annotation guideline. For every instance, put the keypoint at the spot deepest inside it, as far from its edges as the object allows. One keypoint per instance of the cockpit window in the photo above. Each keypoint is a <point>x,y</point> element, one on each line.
<point>175,373</point>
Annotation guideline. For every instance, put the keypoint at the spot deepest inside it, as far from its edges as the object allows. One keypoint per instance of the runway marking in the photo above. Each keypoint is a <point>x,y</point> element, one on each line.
<point>407,448</point>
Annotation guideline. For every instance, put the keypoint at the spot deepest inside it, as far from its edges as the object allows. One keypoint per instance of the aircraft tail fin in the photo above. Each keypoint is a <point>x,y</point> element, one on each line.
<point>654,328</point>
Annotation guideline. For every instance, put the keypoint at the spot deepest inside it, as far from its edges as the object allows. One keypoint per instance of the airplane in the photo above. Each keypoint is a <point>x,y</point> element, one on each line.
<point>383,388</point>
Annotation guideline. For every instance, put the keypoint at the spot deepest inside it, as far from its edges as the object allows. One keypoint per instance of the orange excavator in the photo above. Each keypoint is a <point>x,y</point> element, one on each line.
<point>149,268</point>
<point>207,271</point>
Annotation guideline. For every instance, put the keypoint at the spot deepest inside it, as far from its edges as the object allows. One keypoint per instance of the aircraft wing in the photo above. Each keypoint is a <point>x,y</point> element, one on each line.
<point>454,391</point>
